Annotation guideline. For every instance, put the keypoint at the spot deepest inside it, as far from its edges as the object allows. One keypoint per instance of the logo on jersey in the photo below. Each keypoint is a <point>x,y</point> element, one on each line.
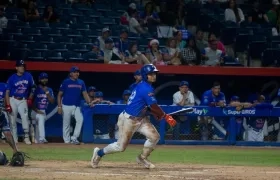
<point>131,97</point>
<point>238,113</point>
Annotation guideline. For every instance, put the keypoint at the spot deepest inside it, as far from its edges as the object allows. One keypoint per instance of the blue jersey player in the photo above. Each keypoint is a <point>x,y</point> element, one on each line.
<point>43,95</point>
<point>138,78</point>
<point>69,101</point>
<point>19,98</point>
<point>134,119</point>
<point>4,123</point>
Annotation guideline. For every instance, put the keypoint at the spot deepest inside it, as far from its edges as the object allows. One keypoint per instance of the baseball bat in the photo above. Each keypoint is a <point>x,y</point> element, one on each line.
<point>183,110</point>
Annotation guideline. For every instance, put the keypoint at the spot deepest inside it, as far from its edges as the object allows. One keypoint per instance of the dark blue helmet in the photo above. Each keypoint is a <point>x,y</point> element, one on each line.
<point>43,76</point>
<point>20,63</point>
<point>3,158</point>
<point>147,69</point>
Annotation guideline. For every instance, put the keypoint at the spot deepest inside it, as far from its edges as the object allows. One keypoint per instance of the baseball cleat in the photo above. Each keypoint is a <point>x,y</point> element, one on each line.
<point>145,162</point>
<point>95,158</point>
<point>75,141</point>
<point>27,141</point>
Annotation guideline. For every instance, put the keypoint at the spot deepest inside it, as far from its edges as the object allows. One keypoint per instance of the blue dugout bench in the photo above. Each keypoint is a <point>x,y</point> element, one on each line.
<point>230,112</point>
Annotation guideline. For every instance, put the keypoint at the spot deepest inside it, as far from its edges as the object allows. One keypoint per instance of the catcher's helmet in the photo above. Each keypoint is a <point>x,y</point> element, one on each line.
<point>3,158</point>
<point>147,69</point>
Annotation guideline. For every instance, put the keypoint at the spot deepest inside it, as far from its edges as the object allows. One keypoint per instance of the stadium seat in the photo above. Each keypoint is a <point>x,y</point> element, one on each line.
<point>21,24</point>
<point>45,40</point>
<point>133,36</point>
<point>107,21</point>
<point>255,50</point>
<point>37,56</point>
<point>52,32</point>
<point>81,7</point>
<point>12,31</point>
<point>143,43</point>
<point>113,14</point>
<point>82,48</point>
<point>80,27</point>
<point>90,56</point>
<point>102,7</point>
<point>270,57</point>
<point>87,20</point>
<point>65,40</point>
<point>22,46</point>
<point>73,33</point>
<point>65,6</point>
<point>40,25</point>
<point>27,39</point>
<point>73,56</point>
<point>8,38</point>
<point>60,47</point>
<point>38,47</point>
<point>93,14</point>
<point>242,42</point>
<point>74,13</point>
<point>13,10</point>
<point>275,39</point>
<point>54,56</point>
<point>19,54</point>
<point>275,44</point>
<point>32,32</point>
<point>91,34</point>
<point>11,16</point>
<point>228,35</point>
<point>60,25</point>
<point>86,41</point>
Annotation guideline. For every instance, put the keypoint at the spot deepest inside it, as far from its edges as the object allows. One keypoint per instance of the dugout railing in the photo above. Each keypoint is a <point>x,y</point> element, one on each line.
<point>229,112</point>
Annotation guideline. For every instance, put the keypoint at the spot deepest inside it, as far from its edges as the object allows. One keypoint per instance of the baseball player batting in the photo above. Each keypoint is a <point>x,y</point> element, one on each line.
<point>19,98</point>
<point>42,96</point>
<point>69,101</point>
<point>134,119</point>
<point>18,157</point>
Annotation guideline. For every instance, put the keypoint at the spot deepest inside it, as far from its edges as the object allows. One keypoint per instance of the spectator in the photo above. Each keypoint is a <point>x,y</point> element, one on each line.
<point>138,78</point>
<point>122,43</point>
<point>256,127</point>
<point>153,54</point>
<point>125,97</point>
<point>111,54</point>
<point>91,92</point>
<point>134,25</point>
<point>191,55</point>
<point>213,98</point>
<point>97,52</point>
<point>50,15</point>
<point>166,17</point>
<point>256,15</point>
<point>133,56</point>
<point>3,20</point>
<point>31,13</point>
<point>126,15</point>
<point>171,54</point>
<point>180,43</point>
<point>272,14</point>
<point>183,97</point>
<point>220,45</point>
<point>180,12</point>
<point>101,122</point>
<point>149,18</point>
<point>192,15</point>
<point>101,39</point>
<point>233,13</point>
<point>199,38</point>
<point>212,55</point>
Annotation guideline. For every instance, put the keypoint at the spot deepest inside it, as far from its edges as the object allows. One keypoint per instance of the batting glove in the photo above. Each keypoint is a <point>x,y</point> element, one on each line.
<point>29,102</point>
<point>8,108</point>
<point>169,119</point>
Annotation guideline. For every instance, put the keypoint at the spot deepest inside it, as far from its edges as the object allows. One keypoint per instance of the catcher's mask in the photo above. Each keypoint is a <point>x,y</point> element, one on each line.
<point>3,158</point>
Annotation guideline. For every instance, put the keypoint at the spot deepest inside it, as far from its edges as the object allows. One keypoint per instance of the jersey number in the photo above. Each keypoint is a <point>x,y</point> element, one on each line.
<point>131,97</point>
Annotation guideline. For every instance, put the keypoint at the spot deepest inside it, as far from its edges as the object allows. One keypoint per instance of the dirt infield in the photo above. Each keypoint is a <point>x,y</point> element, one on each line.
<point>81,170</point>
<point>124,171</point>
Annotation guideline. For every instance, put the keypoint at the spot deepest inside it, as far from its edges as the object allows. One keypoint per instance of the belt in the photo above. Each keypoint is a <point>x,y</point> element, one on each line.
<point>18,98</point>
<point>134,118</point>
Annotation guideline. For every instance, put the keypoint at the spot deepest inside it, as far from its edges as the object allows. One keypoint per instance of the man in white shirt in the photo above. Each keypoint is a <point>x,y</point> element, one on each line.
<point>3,20</point>
<point>183,97</point>
<point>100,40</point>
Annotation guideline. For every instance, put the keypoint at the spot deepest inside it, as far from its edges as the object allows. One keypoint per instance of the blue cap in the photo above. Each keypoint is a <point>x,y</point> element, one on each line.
<point>137,73</point>
<point>109,40</point>
<point>91,88</point>
<point>234,98</point>
<point>95,44</point>
<point>20,63</point>
<point>43,76</point>
<point>98,94</point>
<point>126,92</point>
<point>184,83</point>
<point>74,69</point>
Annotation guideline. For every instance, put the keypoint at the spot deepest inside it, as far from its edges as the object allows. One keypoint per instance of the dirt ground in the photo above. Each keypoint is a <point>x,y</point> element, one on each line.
<point>81,170</point>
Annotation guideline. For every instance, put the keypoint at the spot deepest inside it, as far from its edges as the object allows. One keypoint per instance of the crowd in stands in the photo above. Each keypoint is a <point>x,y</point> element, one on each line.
<point>162,32</point>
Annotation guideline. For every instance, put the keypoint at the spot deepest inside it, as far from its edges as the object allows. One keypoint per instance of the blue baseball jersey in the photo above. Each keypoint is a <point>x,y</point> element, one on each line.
<point>20,86</point>
<point>256,122</point>
<point>4,125</point>
<point>3,88</point>
<point>208,98</point>
<point>72,90</point>
<point>132,86</point>
<point>122,45</point>
<point>140,99</point>
<point>40,98</point>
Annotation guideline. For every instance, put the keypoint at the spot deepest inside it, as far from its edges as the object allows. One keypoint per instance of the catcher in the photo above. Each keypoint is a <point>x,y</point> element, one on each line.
<point>18,157</point>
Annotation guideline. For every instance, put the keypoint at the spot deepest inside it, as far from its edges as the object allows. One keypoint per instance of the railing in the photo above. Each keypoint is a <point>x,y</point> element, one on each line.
<point>229,113</point>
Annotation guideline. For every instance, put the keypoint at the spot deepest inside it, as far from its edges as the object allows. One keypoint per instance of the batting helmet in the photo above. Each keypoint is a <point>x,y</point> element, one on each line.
<point>147,69</point>
<point>3,158</point>
<point>20,63</point>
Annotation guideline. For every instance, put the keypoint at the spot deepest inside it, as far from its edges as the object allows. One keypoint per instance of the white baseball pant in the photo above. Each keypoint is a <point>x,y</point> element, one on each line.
<point>127,127</point>
<point>18,106</point>
<point>68,112</point>
<point>252,135</point>
<point>101,136</point>
<point>40,120</point>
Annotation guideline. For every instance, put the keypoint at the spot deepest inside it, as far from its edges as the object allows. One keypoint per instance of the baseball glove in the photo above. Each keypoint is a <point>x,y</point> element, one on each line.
<point>18,159</point>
